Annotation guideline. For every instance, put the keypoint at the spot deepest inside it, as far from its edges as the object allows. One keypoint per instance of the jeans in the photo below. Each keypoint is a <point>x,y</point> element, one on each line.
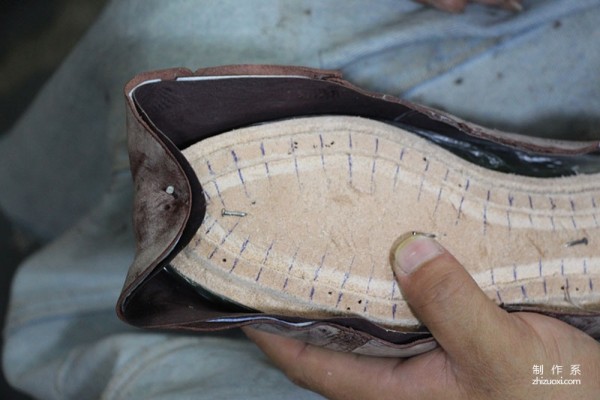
<point>66,165</point>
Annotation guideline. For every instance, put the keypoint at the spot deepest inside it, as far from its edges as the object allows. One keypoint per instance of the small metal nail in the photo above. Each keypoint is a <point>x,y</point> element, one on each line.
<point>170,190</point>
<point>572,243</point>
<point>228,213</point>
<point>426,234</point>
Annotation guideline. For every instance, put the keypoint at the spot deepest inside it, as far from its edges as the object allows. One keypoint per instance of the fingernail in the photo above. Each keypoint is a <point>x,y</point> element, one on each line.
<point>412,250</point>
<point>514,5</point>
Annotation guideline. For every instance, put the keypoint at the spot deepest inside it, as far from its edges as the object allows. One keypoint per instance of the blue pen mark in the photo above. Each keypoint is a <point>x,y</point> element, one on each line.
<point>594,206</point>
<point>339,299</point>
<point>242,249</point>
<point>262,152</point>
<point>264,261</point>
<point>320,266</point>
<point>322,156</point>
<point>511,200</point>
<point>214,181</point>
<point>396,176</point>
<point>423,179</point>
<point>350,168</point>
<point>350,158</point>
<point>462,200</point>
<point>531,208</point>
<point>485,207</point>
<point>210,168</point>
<point>347,274</point>
<point>373,166</point>
<point>439,196</point>
<point>210,227</point>
<point>545,288</point>
<point>398,168</point>
<point>572,202</point>
<point>262,149</point>
<point>370,278</point>
<point>258,275</point>
<point>344,280</point>
<point>240,175</point>
<point>369,286</point>
<point>293,260</point>
<point>197,241</point>
<point>268,252</point>
<point>222,241</point>
<point>291,266</point>
<point>294,146</point>
<point>394,284</point>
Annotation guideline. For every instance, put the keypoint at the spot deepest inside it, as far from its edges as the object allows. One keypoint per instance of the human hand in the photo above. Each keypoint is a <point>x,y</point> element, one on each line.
<point>459,5</point>
<point>485,352</point>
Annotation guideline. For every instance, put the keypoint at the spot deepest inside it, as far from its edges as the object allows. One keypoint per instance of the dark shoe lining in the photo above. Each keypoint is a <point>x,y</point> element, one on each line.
<point>189,111</point>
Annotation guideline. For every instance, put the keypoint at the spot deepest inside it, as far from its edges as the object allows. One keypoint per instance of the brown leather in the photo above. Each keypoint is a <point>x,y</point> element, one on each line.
<point>169,203</point>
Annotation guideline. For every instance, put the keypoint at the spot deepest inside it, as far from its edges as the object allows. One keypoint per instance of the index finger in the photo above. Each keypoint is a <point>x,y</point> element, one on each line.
<point>339,375</point>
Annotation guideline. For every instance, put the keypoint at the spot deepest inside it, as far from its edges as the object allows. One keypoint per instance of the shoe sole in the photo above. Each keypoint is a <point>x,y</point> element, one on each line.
<point>302,214</point>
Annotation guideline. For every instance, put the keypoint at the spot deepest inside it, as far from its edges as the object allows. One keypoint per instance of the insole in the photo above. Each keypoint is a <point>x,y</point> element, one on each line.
<point>301,216</point>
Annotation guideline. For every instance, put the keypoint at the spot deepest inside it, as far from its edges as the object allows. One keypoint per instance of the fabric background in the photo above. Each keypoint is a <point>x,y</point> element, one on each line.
<point>65,171</point>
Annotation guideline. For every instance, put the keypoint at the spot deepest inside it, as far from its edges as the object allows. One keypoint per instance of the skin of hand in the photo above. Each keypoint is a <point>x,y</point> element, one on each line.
<point>484,353</point>
<point>459,5</point>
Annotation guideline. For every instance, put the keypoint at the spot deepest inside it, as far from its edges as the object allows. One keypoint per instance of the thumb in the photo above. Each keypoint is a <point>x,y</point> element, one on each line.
<point>444,297</point>
<point>446,5</point>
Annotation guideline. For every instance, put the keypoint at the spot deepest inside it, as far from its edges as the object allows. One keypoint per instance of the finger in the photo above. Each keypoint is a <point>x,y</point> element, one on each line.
<point>512,5</point>
<point>453,6</point>
<point>332,374</point>
<point>456,6</point>
<point>445,298</point>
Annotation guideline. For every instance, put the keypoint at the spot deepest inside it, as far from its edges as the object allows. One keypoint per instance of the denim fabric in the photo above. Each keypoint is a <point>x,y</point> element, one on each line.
<point>65,162</point>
